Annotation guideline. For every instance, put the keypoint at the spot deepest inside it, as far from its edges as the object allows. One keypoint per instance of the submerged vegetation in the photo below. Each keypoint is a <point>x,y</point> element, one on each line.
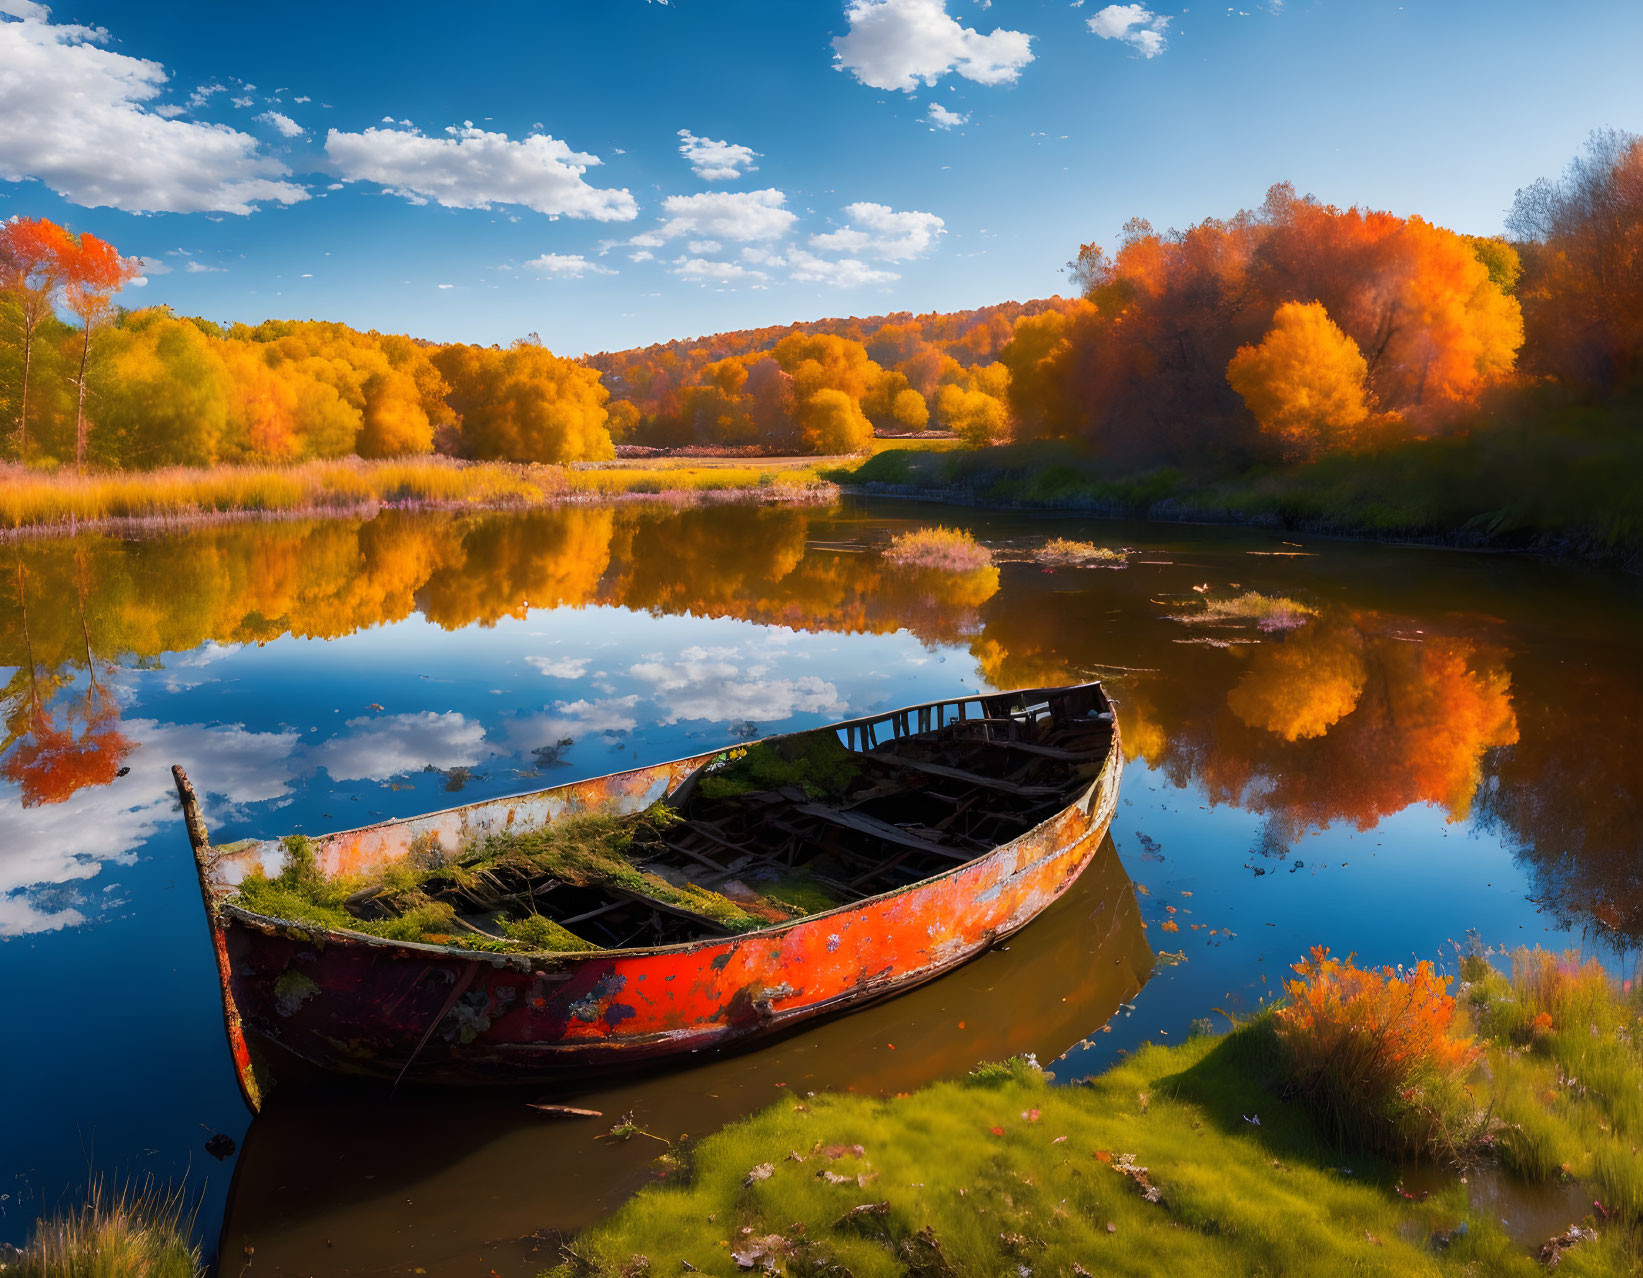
<point>1206,1157</point>
<point>1063,552</point>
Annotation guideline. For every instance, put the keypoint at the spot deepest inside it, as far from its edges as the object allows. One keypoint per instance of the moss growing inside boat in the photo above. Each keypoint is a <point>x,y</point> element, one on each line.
<point>543,936</point>
<point>816,762</point>
<point>803,894</point>
<point>592,850</point>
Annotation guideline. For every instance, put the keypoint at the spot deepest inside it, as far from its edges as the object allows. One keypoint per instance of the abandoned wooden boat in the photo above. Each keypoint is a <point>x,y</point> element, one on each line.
<point>936,831</point>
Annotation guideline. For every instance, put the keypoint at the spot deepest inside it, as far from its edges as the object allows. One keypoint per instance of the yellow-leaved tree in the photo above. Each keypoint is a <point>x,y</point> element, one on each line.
<point>1304,382</point>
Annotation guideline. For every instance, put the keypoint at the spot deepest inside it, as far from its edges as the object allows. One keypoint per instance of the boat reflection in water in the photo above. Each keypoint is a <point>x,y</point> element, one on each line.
<point>335,1175</point>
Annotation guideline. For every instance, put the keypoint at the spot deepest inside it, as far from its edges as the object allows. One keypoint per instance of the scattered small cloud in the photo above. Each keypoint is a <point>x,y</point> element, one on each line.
<point>1134,24</point>
<point>848,272</point>
<point>736,216</point>
<point>940,117</point>
<point>706,271</point>
<point>570,266</point>
<point>895,44</point>
<point>284,125</point>
<point>877,230</point>
<point>716,161</point>
<point>560,667</point>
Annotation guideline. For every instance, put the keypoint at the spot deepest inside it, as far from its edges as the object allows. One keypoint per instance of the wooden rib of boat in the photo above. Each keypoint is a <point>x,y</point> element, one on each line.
<point>962,820</point>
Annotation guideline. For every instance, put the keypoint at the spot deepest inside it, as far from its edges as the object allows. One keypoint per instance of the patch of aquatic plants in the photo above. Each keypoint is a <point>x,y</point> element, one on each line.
<point>1063,552</point>
<point>947,549</point>
<point>1268,612</point>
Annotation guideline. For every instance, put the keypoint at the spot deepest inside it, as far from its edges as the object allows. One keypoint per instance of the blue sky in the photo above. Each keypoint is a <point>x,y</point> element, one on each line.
<point>321,179</point>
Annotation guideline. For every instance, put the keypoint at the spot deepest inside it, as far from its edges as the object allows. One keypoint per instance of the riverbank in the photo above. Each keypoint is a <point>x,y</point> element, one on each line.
<point>1205,1157</point>
<point>1564,484</point>
<point>33,502</point>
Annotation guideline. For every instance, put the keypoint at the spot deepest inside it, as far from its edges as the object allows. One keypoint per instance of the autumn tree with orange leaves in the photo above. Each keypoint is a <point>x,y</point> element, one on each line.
<point>31,271</point>
<point>1143,376</point>
<point>1304,382</point>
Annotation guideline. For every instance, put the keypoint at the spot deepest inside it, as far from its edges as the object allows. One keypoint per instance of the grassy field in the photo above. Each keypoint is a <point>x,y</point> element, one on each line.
<point>32,499</point>
<point>1200,1158</point>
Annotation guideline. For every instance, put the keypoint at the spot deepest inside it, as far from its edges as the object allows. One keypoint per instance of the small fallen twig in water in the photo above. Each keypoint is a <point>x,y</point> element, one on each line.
<point>627,1129</point>
<point>564,1111</point>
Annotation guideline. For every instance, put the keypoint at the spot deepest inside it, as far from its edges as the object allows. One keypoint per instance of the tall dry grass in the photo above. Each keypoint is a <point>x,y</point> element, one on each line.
<point>127,1233</point>
<point>45,499</point>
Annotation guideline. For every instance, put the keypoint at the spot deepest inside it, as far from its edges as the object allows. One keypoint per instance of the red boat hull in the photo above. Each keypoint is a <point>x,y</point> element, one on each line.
<point>367,1006</point>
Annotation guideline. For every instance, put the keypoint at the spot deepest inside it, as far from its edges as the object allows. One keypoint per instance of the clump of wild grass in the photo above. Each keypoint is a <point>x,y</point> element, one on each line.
<point>1268,612</point>
<point>1061,552</point>
<point>1375,1055</point>
<point>946,549</point>
<point>129,1233</point>
<point>1565,1064</point>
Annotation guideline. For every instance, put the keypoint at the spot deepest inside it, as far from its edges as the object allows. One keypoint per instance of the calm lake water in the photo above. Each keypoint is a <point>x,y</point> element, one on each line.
<point>1448,745</point>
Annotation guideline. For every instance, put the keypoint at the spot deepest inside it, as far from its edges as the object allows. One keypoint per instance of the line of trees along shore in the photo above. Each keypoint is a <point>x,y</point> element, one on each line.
<point>1279,335</point>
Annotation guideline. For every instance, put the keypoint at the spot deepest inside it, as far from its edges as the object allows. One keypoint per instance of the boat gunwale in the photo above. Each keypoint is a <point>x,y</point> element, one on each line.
<point>529,960</point>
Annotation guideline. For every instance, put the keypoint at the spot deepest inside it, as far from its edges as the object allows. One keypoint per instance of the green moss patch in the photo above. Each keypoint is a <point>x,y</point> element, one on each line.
<point>816,762</point>
<point>423,898</point>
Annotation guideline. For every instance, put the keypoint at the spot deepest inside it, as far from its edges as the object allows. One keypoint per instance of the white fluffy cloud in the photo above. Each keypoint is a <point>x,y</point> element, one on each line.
<point>474,169</point>
<point>574,719</point>
<point>848,272</point>
<point>560,667</point>
<point>716,161</point>
<point>1134,24</point>
<point>283,124</point>
<point>379,747</point>
<point>738,216</point>
<point>877,230</point>
<point>894,44</point>
<point>78,117</point>
<point>569,266</point>
<point>706,271</point>
<point>942,118</point>
<point>54,846</point>
<point>723,685</point>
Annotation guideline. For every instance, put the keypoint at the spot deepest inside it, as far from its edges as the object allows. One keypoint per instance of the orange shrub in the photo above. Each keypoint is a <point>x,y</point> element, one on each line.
<point>1374,1053</point>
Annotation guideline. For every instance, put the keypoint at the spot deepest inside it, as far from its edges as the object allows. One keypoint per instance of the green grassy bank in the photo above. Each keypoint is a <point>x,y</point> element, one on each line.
<point>1564,478</point>
<point>1158,1165</point>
